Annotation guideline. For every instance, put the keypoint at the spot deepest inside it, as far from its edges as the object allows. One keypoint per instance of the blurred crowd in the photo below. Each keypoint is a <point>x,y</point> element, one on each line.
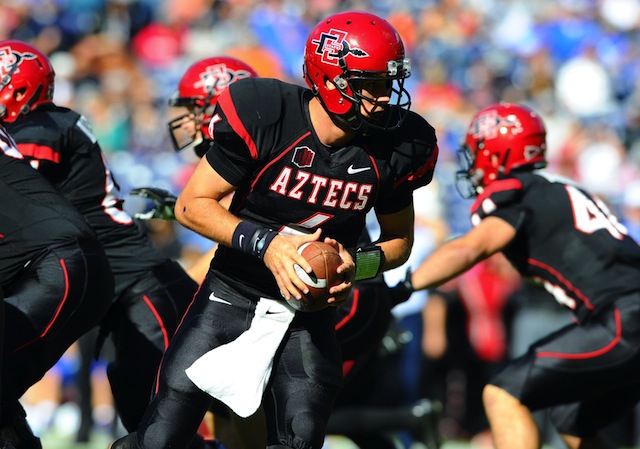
<point>576,61</point>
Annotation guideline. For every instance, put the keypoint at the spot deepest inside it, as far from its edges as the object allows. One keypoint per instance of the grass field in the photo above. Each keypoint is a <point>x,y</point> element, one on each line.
<point>51,440</point>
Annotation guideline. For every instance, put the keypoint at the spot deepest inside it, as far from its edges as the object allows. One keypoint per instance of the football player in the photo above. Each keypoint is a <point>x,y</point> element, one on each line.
<point>56,281</point>
<point>198,92</point>
<point>361,323</point>
<point>151,293</point>
<point>566,240</point>
<point>195,98</point>
<point>303,165</point>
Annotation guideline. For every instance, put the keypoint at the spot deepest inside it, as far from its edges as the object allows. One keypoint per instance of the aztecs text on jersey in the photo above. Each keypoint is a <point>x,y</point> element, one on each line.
<point>566,239</point>
<point>287,179</point>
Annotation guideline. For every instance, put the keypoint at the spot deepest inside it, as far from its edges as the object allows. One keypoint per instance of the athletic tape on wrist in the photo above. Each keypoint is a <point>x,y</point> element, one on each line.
<point>368,261</point>
<point>251,238</point>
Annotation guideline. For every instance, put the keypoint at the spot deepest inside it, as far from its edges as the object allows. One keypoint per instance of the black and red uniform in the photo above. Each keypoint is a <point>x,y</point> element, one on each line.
<point>151,292</point>
<point>287,180</point>
<point>568,241</point>
<point>54,274</point>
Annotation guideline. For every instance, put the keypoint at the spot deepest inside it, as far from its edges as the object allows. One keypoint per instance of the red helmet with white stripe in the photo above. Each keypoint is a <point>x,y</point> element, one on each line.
<point>198,91</point>
<point>500,138</point>
<point>349,49</point>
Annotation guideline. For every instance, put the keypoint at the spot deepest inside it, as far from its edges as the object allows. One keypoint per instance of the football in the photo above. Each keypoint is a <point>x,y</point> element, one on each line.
<point>324,260</point>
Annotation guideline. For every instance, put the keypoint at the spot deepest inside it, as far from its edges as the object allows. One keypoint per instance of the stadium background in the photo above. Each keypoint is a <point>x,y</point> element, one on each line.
<point>575,61</point>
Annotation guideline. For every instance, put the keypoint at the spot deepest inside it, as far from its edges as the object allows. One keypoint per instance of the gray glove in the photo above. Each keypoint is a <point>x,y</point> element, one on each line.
<point>164,203</point>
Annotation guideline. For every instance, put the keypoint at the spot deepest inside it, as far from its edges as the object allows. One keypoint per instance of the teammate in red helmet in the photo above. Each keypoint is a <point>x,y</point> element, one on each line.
<point>55,279</point>
<point>198,92</point>
<point>151,292</point>
<point>196,97</point>
<point>27,79</point>
<point>566,240</point>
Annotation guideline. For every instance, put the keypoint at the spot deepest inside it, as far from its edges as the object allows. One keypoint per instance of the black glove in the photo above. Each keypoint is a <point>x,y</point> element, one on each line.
<point>164,203</point>
<point>402,290</point>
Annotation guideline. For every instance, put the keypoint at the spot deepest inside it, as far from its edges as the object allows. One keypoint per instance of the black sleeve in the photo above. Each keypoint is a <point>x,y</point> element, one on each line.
<point>243,132</point>
<point>412,162</point>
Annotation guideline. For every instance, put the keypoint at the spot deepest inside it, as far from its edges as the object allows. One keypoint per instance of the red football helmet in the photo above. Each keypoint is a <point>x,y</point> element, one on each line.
<point>501,138</point>
<point>344,51</point>
<point>198,91</point>
<point>26,79</point>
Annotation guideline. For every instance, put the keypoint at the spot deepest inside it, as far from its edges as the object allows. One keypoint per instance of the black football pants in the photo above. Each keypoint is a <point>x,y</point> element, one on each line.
<point>60,296</point>
<point>142,321</point>
<point>305,380</point>
<point>589,374</point>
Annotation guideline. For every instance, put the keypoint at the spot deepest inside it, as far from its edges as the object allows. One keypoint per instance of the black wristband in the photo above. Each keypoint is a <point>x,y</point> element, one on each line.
<point>402,290</point>
<point>261,242</point>
<point>252,239</point>
<point>368,261</point>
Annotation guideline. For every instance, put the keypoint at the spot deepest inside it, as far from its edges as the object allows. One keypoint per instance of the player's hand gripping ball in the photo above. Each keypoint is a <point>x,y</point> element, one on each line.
<point>324,260</point>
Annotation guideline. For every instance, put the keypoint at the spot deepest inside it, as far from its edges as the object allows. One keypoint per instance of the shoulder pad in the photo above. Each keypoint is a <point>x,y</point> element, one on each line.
<point>498,193</point>
<point>415,152</point>
<point>257,100</point>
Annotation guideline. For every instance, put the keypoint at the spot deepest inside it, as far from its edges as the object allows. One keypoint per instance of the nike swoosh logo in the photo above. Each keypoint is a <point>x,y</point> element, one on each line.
<point>353,171</point>
<point>240,239</point>
<point>214,298</point>
<point>271,312</point>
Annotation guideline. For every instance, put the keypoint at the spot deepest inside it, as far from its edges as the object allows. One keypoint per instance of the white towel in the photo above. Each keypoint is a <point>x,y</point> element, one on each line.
<point>237,373</point>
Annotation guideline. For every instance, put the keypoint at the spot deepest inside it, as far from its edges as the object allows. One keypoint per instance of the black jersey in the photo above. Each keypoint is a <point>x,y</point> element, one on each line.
<point>566,239</point>
<point>286,179</point>
<point>61,145</point>
<point>33,216</point>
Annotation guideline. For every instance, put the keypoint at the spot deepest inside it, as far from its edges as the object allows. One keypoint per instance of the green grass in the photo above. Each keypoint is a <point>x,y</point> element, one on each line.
<point>53,440</point>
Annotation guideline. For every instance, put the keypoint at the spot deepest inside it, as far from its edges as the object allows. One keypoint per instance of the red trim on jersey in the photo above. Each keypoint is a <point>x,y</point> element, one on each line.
<point>347,366</point>
<point>229,109</point>
<point>65,274</point>
<point>352,311</point>
<point>39,152</point>
<point>375,168</point>
<point>566,283</point>
<point>283,154</point>
<point>499,185</point>
<point>204,431</point>
<point>428,166</point>
<point>165,335</point>
<point>592,354</point>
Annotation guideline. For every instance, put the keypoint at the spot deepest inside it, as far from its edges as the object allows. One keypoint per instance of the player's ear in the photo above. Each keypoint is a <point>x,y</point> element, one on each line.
<point>329,84</point>
<point>19,94</point>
